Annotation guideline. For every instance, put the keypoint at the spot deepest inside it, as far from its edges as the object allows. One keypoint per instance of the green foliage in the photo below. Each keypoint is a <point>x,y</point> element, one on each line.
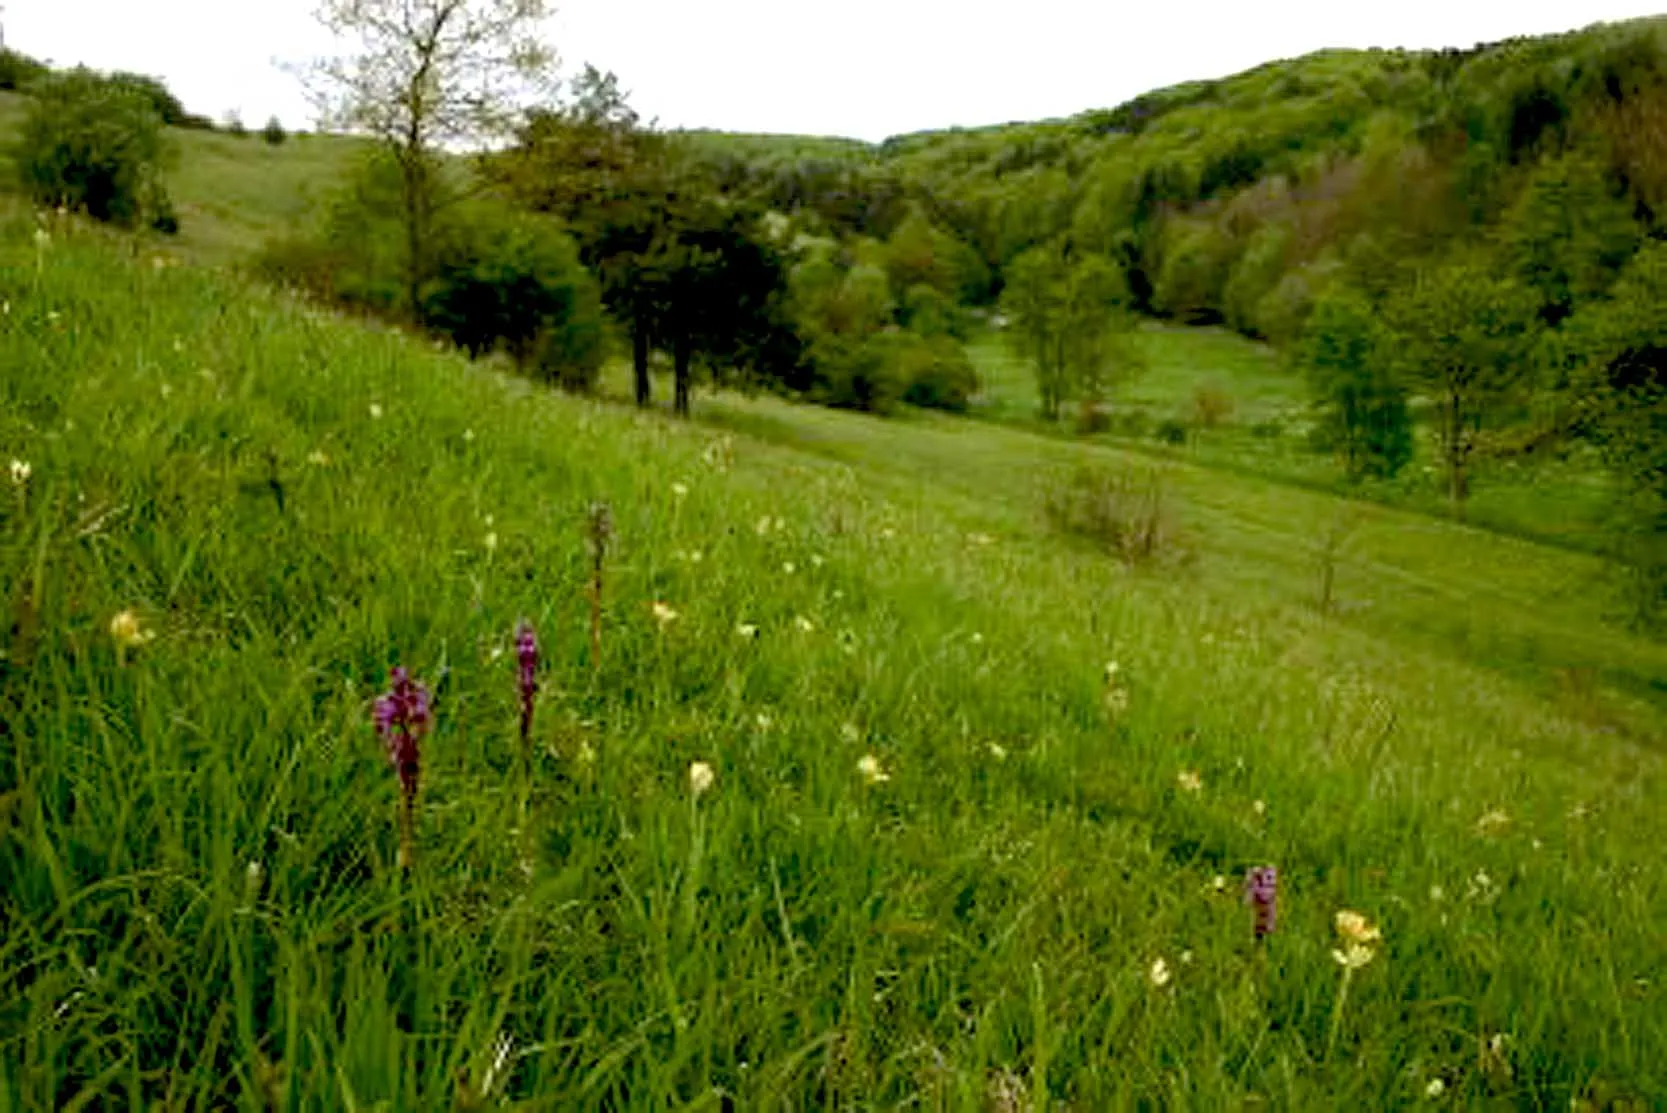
<point>1171,431</point>
<point>515,280</point>
<point>1348,359</point>
<point>424,74</point>
<point>1127,513</point>
<point>161,99</point>
<point>925,310</point>
<point>273,133</point>
<point>1613,359</point>
<point>935,370</point>
<point>1254,276</point>
<point>1071,320</point>
<point>1568,235</point>
<point>921,255</point>
<point>1197,260</point>
<point>18,72</point>
<point>1463,336</point>
<point>355,253</point>
<point>95,144</point>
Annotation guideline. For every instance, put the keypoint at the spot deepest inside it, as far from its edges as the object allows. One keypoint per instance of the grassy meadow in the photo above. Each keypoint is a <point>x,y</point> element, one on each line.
<point>1263,432</point>
<point>944,862</point>
<point>233,193</point>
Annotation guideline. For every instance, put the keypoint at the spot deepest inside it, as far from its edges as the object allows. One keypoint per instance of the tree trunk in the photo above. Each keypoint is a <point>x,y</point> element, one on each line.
<point>1458,486</point>
<point>639,364</point>
<point>416,231</point>
<point>682,354</point>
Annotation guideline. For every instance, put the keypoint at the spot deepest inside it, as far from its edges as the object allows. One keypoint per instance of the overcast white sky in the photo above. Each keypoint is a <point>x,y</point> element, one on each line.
<point>863,68</point>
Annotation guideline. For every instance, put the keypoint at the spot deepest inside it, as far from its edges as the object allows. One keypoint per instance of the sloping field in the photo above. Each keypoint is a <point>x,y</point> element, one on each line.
<point>942,862</point>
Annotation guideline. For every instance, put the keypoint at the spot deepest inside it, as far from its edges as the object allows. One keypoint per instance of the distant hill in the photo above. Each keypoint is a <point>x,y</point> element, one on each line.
<point>1238,199</point>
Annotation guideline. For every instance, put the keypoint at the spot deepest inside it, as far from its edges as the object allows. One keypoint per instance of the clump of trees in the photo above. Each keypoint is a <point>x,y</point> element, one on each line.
<point>1070,317</point>
<point>94,144</point>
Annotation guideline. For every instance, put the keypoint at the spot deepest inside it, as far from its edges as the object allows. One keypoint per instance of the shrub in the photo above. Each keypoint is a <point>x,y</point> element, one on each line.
<point>1124,512</point>
<point>1092,417</point>
<point>354,255</point>
<point>274,133</point>
<point>1211,406</point>
<point>19,72</point>
<point>854,374</point>
<point>235,127</point>
<point>161,100</point>
<point>571,355</point>
<point>936,372</point>
<point>1171,431</point>
<point>95,144</point>
<point>514,280</point>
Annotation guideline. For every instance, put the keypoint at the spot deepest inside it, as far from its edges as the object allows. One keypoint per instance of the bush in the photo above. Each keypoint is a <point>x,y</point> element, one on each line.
<point>1171,431</point>
<point>161,100</point>
<point>571,355</point>
<point>854,374</point>
<point>1092,417</point>
<point>1124,512</point>
<point>936,372</point>
<point>1211,406</point>
<point>274,133</point>
<point>514,280</point>
<point>235,127</point>
<point>95,144</point>
<point>354,255</point>
<point>19,72</point>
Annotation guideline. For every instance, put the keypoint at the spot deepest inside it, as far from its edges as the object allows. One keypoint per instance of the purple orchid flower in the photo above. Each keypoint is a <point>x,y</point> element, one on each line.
<point>526,656</point>
<point>1261,892</point>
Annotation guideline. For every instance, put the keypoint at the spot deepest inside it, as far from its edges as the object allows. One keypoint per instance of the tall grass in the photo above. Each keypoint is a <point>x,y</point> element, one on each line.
<point>199,886</point>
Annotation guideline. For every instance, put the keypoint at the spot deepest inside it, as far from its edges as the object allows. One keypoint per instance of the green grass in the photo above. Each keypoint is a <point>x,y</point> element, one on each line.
<point>197,880</point>
<point>234,193</point>
<point>1563,500</point>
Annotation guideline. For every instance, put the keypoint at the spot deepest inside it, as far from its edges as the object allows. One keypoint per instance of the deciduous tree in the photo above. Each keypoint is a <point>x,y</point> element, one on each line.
<point>1463,337</point>
<point>423,75</point>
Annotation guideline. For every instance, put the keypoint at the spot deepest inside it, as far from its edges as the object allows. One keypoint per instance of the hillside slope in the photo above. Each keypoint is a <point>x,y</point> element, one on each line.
<point>197,843</point>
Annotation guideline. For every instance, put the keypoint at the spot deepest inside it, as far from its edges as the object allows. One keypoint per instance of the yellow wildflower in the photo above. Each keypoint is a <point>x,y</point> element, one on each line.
<point>1159,973</point>
<point>871,769</point>
<point>701,777</point>
<point>21,471</point>
<point>663,613</point>
<point>1494,821</point>
<point>1355,928</point>
<point>127,630</point>
<point>375,411</point>
<point>1190,780</point>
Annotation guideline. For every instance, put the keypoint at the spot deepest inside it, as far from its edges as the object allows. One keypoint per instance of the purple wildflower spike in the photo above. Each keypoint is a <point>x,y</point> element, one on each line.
<point>402,717</point>
<point>1261,892</point>
<point>526,655</point>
